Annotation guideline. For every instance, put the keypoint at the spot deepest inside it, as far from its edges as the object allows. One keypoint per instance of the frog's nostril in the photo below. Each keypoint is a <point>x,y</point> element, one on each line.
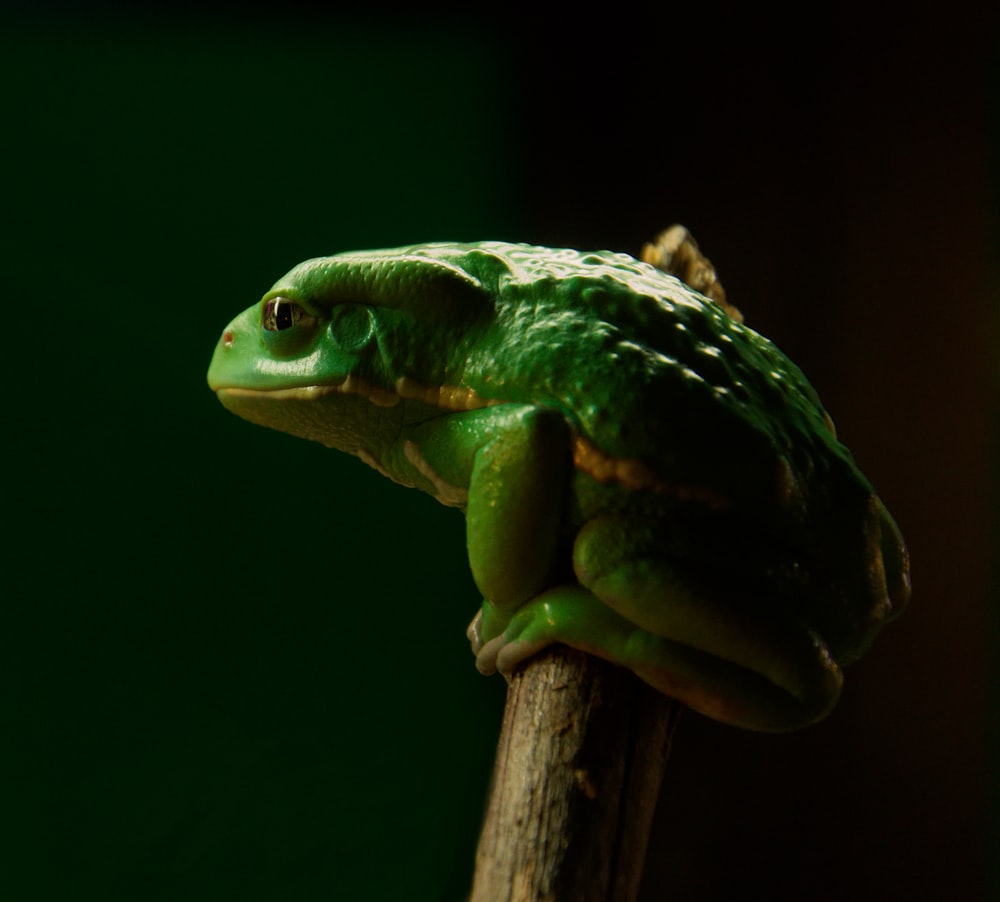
<point>228,338</point>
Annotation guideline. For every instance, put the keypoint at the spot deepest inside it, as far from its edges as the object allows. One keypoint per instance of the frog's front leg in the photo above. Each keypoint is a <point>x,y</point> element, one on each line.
<point>516,461</point>
<point>517,494</point>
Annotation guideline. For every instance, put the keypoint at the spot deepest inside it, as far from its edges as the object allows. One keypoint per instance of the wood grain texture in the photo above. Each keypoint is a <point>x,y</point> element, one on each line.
<point>581,756</point>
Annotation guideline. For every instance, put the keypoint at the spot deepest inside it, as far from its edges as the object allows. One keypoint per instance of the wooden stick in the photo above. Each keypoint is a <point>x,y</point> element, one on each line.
<point>579,764</point>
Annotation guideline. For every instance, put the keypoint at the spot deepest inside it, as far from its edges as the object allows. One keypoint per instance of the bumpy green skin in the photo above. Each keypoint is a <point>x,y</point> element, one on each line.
<point>643,477</point>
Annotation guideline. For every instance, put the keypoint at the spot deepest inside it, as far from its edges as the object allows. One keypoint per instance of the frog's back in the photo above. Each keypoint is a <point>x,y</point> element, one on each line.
<point>646,369</point>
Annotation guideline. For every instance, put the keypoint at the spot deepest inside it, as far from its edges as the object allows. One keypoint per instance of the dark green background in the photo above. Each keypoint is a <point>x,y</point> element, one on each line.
<point>236,666</point>
<point>233,663</point>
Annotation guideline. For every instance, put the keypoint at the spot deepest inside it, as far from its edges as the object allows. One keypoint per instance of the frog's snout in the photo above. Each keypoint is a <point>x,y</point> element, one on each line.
<point>222,360</point>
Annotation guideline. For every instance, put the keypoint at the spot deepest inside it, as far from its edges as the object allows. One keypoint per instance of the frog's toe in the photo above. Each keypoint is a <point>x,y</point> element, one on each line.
<point>486,653</point>
<point>514,653</point>
<point>475,633</point>
<point>486,656</point>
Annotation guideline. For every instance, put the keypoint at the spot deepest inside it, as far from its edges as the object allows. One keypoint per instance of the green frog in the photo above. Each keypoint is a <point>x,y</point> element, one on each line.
<point>643,477</point>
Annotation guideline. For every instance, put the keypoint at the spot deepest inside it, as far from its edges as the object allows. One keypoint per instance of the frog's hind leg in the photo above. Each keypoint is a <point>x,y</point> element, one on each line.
<point>730,692</point>
<point>736,658</point>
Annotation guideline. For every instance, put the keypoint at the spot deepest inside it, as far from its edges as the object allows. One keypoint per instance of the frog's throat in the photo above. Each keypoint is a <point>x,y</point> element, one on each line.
<point>587,457</point>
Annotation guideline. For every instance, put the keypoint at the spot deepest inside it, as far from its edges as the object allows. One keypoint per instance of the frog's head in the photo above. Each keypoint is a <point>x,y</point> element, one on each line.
<point>345,330</point>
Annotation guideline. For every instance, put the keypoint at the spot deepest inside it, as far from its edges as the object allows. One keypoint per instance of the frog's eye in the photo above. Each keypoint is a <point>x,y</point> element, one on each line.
<point>282,313</point>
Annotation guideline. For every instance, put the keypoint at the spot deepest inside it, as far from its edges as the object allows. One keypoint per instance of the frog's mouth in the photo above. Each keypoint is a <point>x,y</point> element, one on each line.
<point>305,410</point>
<point>448,398</point>
<point>351,385</point>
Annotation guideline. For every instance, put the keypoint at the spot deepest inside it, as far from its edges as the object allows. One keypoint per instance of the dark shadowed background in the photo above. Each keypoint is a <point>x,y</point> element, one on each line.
<point>234,664</point>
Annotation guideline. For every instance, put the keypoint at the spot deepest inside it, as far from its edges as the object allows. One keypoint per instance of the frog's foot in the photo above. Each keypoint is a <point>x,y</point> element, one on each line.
<point>488,654</point>
<point>569,615</point>
<point>485,652</point>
